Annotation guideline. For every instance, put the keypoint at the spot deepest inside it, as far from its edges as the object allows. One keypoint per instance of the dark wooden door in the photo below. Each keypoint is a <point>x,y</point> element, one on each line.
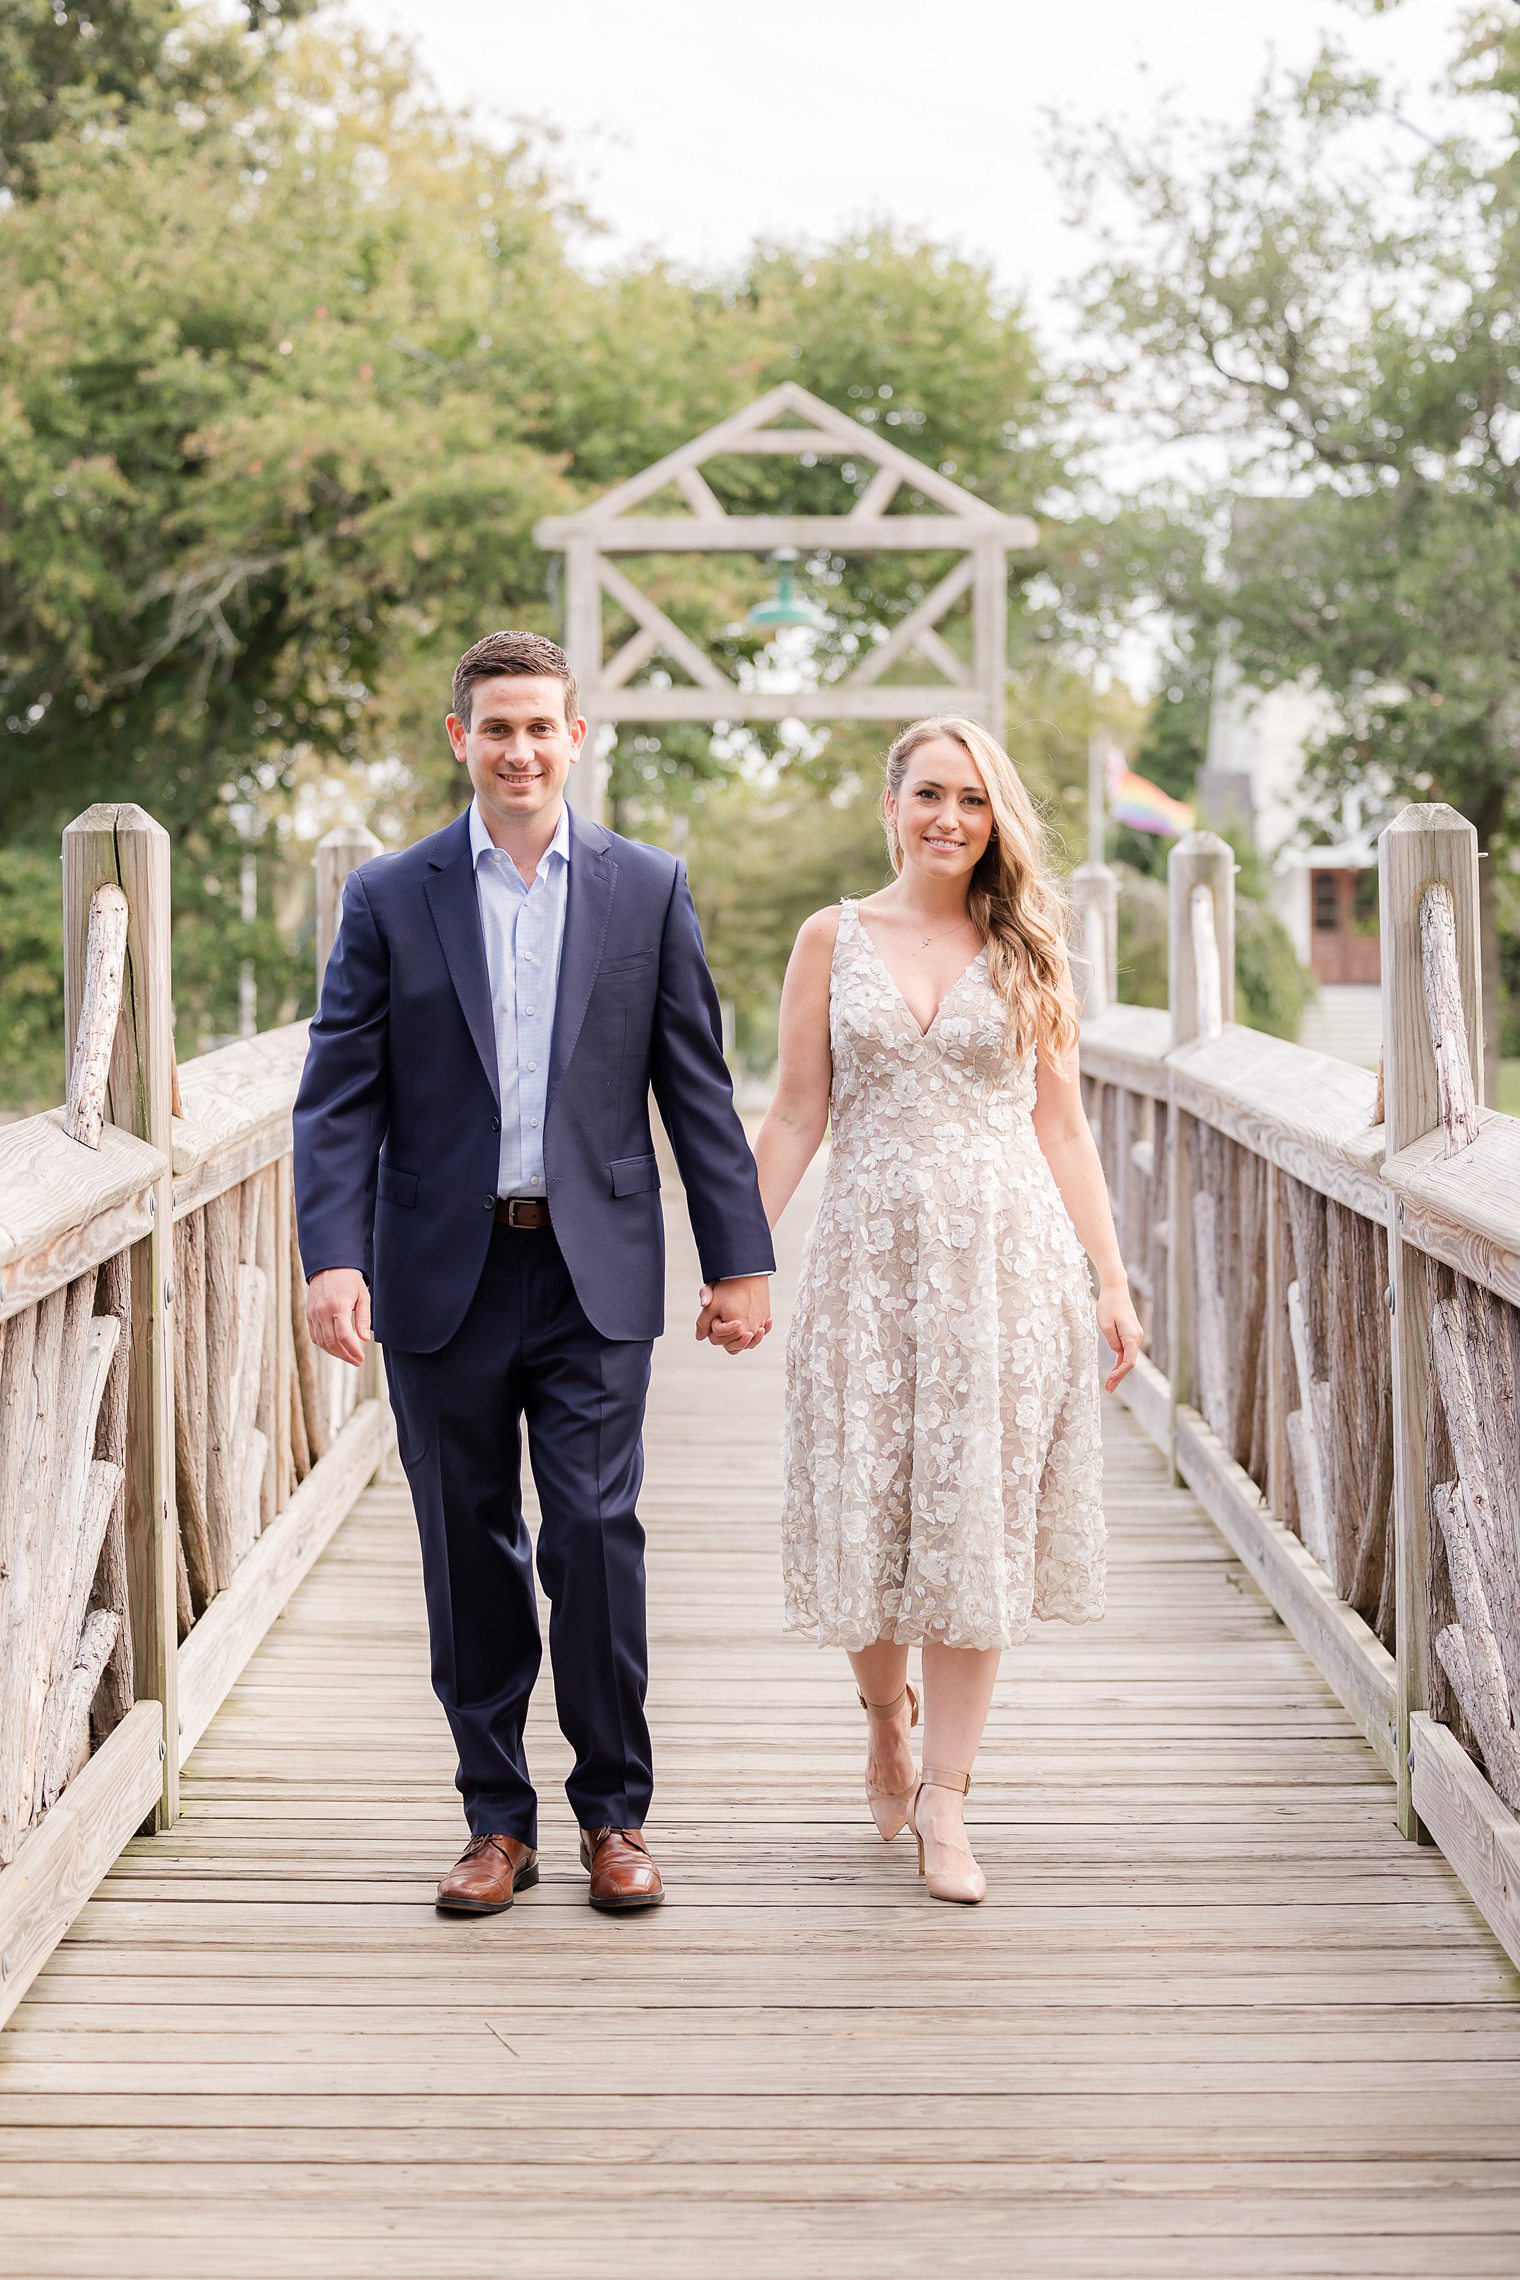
<point>1343,925</point>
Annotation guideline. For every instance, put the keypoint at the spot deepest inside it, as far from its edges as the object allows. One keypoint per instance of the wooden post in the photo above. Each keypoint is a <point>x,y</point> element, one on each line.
<point>121,846</point>
<point>1200,865</point>
<point>989,633</point>
<point>1201,859</point>
<point>1095,903</point>
<point>1426,846</point>
<point>583,647</point>
<point>340,851</point>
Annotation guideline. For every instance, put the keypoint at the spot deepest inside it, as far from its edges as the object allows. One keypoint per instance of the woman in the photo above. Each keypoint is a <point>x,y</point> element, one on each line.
<point>942,1439</point>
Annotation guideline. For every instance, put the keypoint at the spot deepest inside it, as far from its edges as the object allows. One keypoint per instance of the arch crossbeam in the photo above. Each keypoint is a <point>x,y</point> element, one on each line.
<point>789,421</point>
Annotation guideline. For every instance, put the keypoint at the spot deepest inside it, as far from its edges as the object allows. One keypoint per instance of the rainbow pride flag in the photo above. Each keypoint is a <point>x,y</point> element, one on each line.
<point>1136,801</point>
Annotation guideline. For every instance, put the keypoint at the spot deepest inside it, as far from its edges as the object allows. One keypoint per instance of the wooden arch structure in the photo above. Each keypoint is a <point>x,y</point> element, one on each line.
<point>788,421</point>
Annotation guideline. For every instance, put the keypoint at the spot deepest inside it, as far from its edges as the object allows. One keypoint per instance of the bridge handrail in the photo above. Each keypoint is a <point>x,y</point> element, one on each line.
<point>1336,1323</point>
<point>174,1453</point>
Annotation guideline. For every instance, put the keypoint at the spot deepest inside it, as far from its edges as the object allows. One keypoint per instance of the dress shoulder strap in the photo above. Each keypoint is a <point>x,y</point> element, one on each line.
<point>849,913</point>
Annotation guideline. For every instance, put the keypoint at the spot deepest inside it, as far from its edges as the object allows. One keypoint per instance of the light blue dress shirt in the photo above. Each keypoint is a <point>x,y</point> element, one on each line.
<point>524,927</point>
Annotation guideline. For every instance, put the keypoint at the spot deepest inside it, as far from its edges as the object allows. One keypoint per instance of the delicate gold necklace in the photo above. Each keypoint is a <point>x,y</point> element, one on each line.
<point>964,920</point>
<point>944,930</point>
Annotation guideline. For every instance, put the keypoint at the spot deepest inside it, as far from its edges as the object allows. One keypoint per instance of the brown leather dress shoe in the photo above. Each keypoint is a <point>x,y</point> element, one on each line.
<point>487,1875</point>
<point>623,1875</point>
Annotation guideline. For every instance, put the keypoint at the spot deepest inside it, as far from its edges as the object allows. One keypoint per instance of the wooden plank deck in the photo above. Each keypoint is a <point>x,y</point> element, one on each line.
<point>1215,2018</point>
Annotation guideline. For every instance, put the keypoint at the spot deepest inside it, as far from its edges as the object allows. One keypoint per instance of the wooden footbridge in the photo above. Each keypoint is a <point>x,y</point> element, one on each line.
<point>1219,2015</point>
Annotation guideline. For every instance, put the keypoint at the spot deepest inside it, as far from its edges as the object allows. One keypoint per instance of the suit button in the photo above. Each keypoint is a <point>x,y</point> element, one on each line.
<point>496,1124</point>
<point>490,1203</point>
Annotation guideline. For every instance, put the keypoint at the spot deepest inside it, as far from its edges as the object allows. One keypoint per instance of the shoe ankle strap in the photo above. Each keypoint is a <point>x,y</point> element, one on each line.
<point>942,1777</point>
<point>893,1708</point>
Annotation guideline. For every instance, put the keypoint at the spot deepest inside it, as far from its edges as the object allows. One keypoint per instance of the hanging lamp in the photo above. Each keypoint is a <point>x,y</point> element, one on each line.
<point>786,606</point>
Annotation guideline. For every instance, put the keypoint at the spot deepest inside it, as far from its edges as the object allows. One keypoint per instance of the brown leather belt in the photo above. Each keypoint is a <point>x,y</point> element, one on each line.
<point>522,1211</point>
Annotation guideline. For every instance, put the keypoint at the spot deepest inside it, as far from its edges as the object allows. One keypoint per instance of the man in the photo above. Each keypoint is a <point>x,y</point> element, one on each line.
<point>473,1158</point>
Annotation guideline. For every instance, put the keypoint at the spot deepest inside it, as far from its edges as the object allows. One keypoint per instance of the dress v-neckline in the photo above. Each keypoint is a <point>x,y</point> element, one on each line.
<point>897,988</point>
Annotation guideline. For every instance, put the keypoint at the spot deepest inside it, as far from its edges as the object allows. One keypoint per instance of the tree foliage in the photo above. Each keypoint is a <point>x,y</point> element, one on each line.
<point>1347,322</point>
<point>292,363</point>
<point>291,373</point>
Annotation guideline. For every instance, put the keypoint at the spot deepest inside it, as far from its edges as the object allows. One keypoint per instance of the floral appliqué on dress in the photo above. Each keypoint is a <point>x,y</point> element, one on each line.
<point>943,1466</point>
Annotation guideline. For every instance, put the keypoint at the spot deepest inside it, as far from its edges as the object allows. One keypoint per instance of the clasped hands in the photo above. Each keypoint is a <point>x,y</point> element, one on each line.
<point>735,1313</point>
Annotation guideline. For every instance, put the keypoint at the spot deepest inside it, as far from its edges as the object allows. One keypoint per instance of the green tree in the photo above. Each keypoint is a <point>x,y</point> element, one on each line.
<point>69,70</point>
<point>762,859</point>
<point>254,452</point>
<point>1344,320</point>
<point>294,362</point>
<point>31,980</point>
<point>251,436</point>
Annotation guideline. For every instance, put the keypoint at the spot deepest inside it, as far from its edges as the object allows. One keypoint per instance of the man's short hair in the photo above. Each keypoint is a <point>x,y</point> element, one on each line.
<point>513,653</point>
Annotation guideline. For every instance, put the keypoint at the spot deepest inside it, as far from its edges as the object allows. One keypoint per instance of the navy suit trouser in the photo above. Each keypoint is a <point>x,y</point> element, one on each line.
<point>525,1353</point>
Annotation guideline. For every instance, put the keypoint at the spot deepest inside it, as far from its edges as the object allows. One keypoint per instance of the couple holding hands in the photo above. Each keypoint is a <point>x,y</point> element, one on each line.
<point>476,1186</point>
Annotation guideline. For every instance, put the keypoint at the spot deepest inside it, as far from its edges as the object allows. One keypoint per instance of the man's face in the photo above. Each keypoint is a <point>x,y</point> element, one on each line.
<point>519,748</point>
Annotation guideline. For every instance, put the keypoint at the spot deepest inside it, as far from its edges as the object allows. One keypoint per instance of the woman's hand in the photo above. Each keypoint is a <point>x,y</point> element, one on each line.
<point>1120,1325</point>
<point>735,1314</point>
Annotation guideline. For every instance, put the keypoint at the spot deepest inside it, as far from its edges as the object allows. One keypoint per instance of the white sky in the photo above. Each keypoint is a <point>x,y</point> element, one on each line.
<point>693,126</point>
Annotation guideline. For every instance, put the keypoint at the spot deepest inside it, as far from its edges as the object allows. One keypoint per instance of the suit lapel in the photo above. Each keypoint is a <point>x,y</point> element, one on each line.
<point>455,904</point>
<point>588,909</point>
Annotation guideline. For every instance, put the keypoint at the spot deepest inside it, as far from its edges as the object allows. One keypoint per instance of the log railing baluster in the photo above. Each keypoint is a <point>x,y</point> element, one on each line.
<point>1423,849</point>
<point>121,847</point>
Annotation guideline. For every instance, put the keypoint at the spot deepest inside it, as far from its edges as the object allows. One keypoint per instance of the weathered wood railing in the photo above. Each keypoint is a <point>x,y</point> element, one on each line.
<point>174,1453</point>
<point>1332,1301</point>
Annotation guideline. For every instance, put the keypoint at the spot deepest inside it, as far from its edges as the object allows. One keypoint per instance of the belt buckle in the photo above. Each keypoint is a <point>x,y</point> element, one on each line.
<point>526,1204</point>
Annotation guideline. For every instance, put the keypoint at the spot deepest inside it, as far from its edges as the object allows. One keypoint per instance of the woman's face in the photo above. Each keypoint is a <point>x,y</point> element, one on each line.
<point>942,812</point>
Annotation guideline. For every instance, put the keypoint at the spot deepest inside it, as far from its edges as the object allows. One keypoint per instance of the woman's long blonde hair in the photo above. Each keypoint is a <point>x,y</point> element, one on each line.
<point>1013,901</point>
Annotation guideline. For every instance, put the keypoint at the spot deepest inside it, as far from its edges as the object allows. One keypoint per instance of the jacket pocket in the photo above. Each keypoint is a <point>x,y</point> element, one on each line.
<point>396,1187</point>
<point>635,1175</point>
<point>631,964</point>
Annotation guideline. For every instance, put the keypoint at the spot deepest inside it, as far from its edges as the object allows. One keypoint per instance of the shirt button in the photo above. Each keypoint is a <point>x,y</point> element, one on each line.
<point>533,1068</point>
<point>533,1123</point>
<point>530,1009</point>
<point>528,957</point>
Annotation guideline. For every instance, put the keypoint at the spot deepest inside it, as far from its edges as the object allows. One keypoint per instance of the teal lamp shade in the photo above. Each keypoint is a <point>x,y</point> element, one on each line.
<point>786,607</point>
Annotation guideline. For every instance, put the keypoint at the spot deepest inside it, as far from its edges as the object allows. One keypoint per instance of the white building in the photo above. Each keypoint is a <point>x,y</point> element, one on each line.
<point>1326,897</point>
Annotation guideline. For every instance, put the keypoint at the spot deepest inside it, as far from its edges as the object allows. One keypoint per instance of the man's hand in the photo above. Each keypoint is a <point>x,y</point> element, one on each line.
<point>736,1313</point>
<point>337,1313</point>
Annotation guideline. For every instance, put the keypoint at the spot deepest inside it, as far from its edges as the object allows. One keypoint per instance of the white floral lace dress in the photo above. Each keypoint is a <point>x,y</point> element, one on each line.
<point>943,1468</point>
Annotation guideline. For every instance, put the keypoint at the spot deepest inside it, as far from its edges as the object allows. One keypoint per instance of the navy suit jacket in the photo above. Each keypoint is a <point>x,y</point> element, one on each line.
<point>398,1119</point>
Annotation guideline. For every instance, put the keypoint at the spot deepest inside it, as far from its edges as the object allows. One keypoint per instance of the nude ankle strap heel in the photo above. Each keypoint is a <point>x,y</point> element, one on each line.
<point>947,1879</point>
<point>889,1807</point>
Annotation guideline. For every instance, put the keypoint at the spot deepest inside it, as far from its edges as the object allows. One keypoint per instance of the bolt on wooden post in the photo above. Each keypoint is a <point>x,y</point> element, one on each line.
<point>121,846</point>
<point>1427,869</point>
<point>1201,995</point>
